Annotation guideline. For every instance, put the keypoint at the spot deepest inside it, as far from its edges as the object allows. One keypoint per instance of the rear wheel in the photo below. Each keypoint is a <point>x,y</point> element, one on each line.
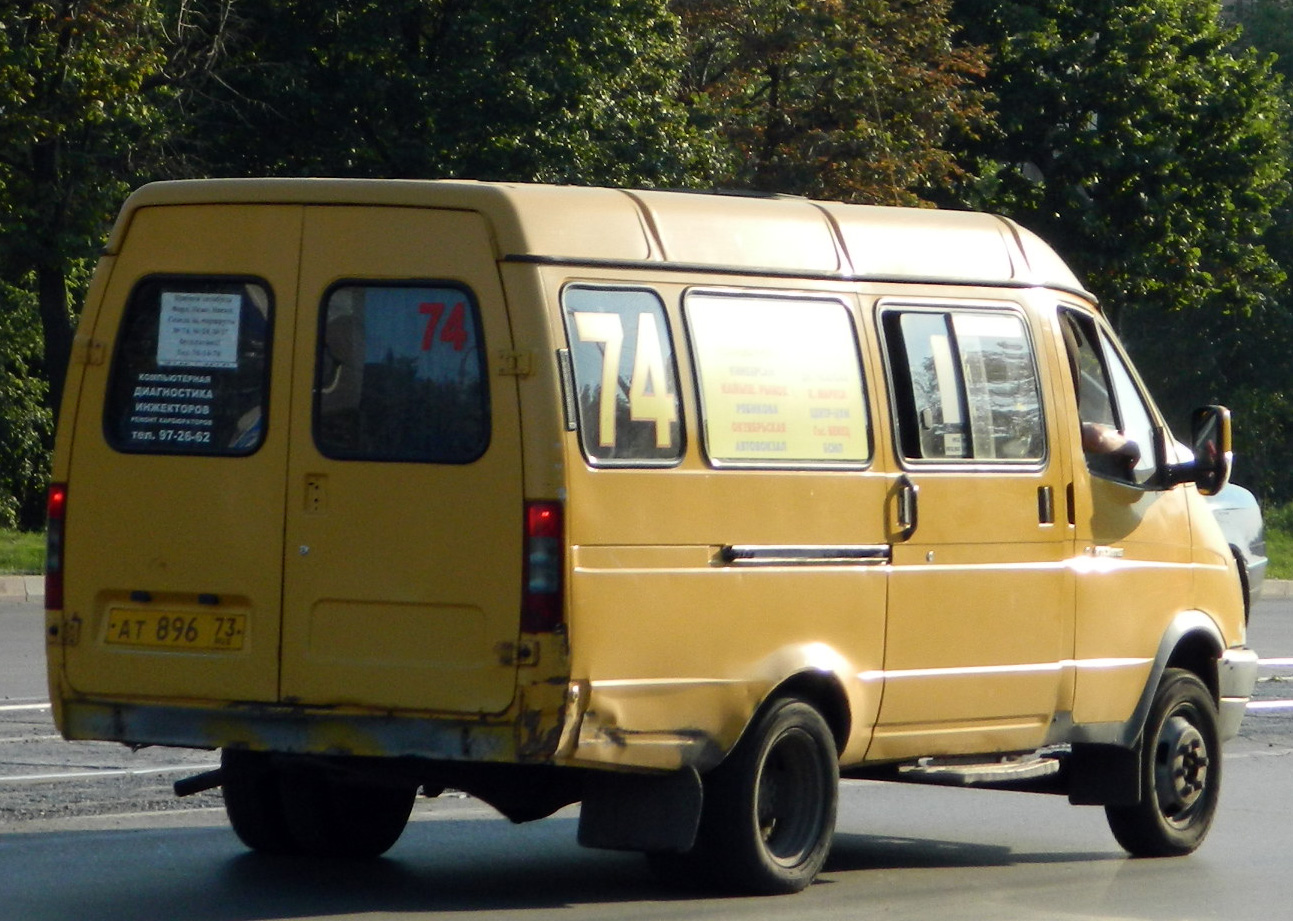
<point>334,815</point>
<point>769,812</point>
<point>1180,774</point>
<point>254,803</point>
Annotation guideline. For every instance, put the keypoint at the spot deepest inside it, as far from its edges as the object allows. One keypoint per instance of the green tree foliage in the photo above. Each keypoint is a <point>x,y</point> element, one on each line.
<point>1152,154</point>
<point>1268,27</point>
<point>851,100</point>
<point>26,424</point>
<point>1137,135</point>
<point>1265,407</point>
<point>89,90</point>
<point>578,91</point>
<point>76,125</point>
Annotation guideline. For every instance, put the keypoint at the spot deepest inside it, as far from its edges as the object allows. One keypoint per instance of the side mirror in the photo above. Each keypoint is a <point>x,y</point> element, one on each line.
<point>1210,427</point>
<point>1210,442</point>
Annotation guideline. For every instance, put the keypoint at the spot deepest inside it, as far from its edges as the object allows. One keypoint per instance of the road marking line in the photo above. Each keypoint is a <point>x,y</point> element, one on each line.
<point>6,707</point>
<point>1276,663</point>
<point>108,772</point>
<point>1270,705</point>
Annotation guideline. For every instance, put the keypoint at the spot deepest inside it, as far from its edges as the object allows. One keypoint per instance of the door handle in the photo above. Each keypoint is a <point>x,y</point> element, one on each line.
<point>316,497</point>
<point>908,507</point>
<point>1045,505</point>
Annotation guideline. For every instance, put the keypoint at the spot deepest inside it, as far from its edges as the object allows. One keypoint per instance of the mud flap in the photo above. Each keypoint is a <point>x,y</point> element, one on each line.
<point>641,812</point>
<point>1104,775</point>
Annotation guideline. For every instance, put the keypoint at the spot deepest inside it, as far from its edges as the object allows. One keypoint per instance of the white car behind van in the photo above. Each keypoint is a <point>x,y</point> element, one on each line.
<point>1240,517</point>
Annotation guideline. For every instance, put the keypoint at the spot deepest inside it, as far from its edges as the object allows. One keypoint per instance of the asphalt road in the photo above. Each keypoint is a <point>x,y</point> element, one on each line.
<point>90,831</point>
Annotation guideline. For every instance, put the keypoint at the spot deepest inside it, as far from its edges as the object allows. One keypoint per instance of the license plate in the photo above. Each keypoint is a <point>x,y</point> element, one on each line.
<point>170,630</point>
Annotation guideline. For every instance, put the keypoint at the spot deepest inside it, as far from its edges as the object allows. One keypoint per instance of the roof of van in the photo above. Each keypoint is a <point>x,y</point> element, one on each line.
<point>780,234</point>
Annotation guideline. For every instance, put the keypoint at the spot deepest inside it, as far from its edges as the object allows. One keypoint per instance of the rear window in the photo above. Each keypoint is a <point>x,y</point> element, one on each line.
<point>401,375</point>
<point>190,371</point>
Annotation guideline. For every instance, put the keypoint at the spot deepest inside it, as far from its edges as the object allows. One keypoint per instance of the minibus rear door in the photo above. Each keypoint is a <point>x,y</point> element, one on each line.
<point>404,513</point>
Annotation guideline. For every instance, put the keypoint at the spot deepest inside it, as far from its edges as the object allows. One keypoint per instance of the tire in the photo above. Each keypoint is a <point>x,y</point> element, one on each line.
<point>769,813</point>
<point>1180,773</point>
<point>254,803</point>
<point>1243,583</point>
<point>334,815</point>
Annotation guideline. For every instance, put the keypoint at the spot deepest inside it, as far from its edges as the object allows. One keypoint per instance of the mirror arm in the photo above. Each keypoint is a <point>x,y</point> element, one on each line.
<point>1170,474</point>
<point>1176,474</point>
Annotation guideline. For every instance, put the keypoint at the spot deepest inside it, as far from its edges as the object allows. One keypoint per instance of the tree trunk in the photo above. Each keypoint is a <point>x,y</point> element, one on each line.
<point>51,285</point>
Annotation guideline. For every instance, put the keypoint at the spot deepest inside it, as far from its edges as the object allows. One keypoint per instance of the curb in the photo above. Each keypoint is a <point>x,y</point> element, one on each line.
<point>1277,588</point>
<point>22,588</point>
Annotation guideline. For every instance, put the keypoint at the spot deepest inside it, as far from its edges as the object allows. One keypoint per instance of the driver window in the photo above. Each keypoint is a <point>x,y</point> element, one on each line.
<point>1117,429</point>
<point>1137,424</point>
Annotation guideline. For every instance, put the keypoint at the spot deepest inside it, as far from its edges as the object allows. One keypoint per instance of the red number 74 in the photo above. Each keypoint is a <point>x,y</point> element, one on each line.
<point>455,328</point>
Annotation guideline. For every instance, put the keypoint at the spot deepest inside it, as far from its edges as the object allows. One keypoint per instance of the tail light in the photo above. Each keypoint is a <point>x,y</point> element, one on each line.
<point>57,514</point>
<point>543,598</point>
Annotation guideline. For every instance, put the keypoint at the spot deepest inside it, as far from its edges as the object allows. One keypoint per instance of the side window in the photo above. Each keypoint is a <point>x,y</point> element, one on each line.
<point>1094,390</point>
<point>1117,427</point>
<point>1137,423</point>
<point>965,386</point>
<point>625,377</point>
<point>933,422</point>
<point>401,375</point>
<point>190,372</point>
<point>780,381</point>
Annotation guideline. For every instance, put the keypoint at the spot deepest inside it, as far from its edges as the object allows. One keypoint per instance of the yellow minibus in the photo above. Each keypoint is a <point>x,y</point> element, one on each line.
<point>675,505</point>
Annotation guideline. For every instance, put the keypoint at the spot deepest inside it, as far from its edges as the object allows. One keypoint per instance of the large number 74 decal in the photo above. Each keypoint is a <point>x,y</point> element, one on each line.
<point>649,397</point>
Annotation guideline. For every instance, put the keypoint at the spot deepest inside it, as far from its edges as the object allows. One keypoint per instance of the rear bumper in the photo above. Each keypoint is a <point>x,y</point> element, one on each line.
<point>290,730</point>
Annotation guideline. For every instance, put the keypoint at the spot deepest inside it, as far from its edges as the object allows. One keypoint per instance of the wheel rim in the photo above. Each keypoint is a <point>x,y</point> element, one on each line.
<point>1181,767</point>
<point>790,794</point>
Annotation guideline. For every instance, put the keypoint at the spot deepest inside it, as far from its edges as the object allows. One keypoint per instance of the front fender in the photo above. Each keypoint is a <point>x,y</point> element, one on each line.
<point>1192,641</point>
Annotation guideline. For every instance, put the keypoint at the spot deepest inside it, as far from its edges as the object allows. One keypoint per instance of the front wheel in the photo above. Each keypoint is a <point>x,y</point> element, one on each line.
<point>1180,773</point>
<point>769,813</point>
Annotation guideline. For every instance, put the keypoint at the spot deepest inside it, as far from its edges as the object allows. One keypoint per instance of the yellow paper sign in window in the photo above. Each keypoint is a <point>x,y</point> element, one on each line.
<point>780,380</point>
